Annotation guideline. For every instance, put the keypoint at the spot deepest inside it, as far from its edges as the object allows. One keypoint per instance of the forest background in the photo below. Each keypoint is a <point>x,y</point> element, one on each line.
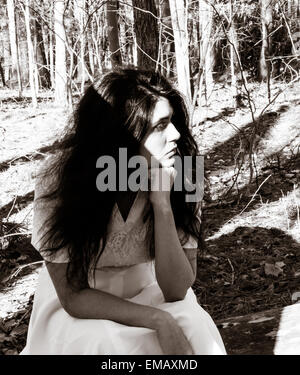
<point>237,63</point>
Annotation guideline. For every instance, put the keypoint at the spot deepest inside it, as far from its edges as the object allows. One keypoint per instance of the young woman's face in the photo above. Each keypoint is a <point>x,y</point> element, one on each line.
<point>160,140</point>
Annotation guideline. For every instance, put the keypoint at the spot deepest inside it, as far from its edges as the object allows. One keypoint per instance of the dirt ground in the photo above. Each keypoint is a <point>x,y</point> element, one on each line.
<point>250,258</point>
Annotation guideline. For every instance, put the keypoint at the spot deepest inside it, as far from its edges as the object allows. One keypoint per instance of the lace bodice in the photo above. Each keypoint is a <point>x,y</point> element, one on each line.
<point>128,242</point>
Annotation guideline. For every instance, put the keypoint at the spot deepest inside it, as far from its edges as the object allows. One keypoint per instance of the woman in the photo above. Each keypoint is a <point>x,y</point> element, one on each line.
<point>119,264</point>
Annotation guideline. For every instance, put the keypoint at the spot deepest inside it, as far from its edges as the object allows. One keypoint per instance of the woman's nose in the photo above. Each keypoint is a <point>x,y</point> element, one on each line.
<point>173,133</point>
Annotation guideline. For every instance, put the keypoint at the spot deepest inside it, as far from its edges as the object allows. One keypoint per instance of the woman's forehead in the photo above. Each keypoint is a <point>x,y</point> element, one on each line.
<point>162,109</point>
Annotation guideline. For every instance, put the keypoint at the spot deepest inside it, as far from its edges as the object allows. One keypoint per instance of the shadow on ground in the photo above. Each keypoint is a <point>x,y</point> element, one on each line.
<point>233,278</point>
<point>216,214</point>
<point>228,150</point>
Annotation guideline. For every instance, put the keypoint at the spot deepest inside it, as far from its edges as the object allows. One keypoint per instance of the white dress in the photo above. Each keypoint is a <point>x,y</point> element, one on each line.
<point>125,270</point>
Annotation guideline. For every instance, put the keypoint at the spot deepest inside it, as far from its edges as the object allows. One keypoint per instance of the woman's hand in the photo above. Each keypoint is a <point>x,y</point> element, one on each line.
<point>171,337</point>
<point>161,182</point>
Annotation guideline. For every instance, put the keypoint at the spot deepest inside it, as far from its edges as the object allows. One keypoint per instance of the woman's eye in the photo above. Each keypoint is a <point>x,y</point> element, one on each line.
<point>161,126</point>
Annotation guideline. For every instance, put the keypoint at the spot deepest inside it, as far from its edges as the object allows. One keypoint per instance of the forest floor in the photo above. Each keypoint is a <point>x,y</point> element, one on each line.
<point>250,259</point>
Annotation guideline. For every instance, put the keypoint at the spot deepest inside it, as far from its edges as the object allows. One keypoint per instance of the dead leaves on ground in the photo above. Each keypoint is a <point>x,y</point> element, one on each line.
<point>248,277</point>
<point>13,331</point>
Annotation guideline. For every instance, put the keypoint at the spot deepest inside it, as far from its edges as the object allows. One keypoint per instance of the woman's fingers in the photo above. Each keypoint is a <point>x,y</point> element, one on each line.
<point>173,341</point>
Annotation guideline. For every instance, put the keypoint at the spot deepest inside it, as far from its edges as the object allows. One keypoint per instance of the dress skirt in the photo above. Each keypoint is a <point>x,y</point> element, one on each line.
<point>53,331</point>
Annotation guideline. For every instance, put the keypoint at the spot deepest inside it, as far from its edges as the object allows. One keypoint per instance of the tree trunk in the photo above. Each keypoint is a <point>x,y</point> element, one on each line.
<point>60,54</point>
<point>146,31</point>
<point>35,56</point>
<point>289,8</point>
<point>96,37</point>
<point>168,52</point>
<point>206,52</point>
<point>45,38</point>
<point>30,55</point>
<point>91,55</point>
<point>51,51</point>
<point>127,35</point>
<point>16,73</point>
<point>6,53</point>
<point>113,33</point>
<point>233,55</point>
<point>102,39</point>
<point>41,57</point>
<point>80,15</point>
<point>51,60</point>
<point>179,23</point>
<point>266,21</point>
<point>2,72</point>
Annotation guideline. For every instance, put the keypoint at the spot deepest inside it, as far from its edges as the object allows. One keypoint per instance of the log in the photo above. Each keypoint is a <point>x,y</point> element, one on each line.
<point>275,331</point>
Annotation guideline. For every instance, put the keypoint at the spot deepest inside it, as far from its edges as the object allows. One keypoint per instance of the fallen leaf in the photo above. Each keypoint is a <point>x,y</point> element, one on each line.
<point>295,297</point>
<point>272,269</point>
<point>208,256</point>
<point>11,352</point>
<point>2,337</point>
<point>272,334</point>
<point>9,325</point>
<point>289,255</point>
<point>4,243</point>
<point>22,257</point>
<point>20,330</point>
<point>270,288</point>
<point>239,307</point>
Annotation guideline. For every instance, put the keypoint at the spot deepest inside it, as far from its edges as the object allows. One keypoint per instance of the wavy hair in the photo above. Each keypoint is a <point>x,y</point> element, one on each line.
<point>114,112</point>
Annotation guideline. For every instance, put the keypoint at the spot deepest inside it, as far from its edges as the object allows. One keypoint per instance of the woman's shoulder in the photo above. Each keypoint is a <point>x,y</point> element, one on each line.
<point>43,209</point>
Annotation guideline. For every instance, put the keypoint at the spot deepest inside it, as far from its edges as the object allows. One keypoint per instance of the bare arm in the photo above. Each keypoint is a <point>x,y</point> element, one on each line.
<point>89,303</point>
<point>175,267</point>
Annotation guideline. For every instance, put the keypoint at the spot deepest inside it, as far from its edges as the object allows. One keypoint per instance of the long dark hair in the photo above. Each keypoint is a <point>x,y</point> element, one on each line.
<point>114,112</point>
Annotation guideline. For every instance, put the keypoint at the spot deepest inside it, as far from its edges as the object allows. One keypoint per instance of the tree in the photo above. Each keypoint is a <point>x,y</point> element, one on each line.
<point>126,33</point>
<point>16,74</point>
<point>233,45</point>
<point>60,54</point>
<point>30,55</point>
<point>146,31</point>
<point>41,60</point>
<point>91,54</point>
<point>266,22</point>
<point>168,48</point>
<point>113,33</point>
<point>6,52</point>
<point>99,39</point>
<point>206,48</point>
<point>79,13</point>
<point>2,72</point>
<point>179,23</point>
<point>50,46</point>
